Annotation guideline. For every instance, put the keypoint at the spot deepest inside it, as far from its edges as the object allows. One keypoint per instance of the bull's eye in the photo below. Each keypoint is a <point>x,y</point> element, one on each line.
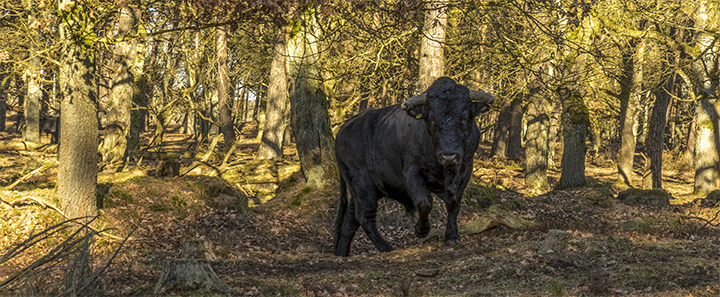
<point>432,121</point>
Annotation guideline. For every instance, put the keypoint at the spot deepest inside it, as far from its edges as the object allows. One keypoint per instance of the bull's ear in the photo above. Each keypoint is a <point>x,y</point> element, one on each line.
<point>479,107</point>
<point>417,112</point>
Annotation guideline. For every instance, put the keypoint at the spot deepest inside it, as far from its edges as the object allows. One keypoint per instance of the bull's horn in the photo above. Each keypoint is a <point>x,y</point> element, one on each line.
<point>481,97</point>
<point>414,101</point>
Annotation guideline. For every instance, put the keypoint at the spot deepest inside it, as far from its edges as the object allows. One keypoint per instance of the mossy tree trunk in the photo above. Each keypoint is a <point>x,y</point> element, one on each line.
<point>309,106</point>
<point>499,147</point>
<point>271,145</point>
<point>77,174</point>
<point>707,137</point>
<point>122,87</point>
<point>432,56</point>
<point>575,121</point>
<point>514,146</point>
<point>536,144</point>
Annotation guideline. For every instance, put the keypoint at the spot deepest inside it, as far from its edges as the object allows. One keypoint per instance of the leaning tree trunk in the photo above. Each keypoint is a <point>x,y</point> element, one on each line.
<point>628,115</point>
<point>121,92</point>
<point>707,137</point>
<point>271,145</point>
<point>536,144</point>
<point>432,57</point>
<point>656,126</point>
<point>224,101</point>
<point>575,120</point>
<point>77,174</point>
<point>499,147</point>
<point>309,106</point>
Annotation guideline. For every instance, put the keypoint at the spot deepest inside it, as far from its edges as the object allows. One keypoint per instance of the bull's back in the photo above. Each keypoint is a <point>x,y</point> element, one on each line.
<point>375,142</point>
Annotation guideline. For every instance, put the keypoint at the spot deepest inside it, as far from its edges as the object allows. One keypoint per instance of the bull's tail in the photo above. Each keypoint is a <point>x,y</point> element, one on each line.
<point>342,209</point>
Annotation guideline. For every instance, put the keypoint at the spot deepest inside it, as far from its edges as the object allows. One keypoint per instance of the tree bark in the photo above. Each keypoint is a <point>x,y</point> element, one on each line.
<point>514,146</point>
<point>536,144</point>
<point>628,115</point>
<point>122,85</point>
<point>77,174</point>
<point>432,57</point>
<point>309,106</point>
<point>656,132</point>
<point>224,101</point>
<point>271,146</point>
<point>499,147</point>
<point>575,120</point>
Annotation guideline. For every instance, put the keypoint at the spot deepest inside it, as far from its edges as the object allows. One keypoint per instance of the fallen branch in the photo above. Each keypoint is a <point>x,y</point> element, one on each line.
<point>494,216</point>
<point>34,172</point>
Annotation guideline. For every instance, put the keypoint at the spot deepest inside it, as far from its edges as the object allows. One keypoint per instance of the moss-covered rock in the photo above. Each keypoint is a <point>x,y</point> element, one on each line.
<point>638,197</point>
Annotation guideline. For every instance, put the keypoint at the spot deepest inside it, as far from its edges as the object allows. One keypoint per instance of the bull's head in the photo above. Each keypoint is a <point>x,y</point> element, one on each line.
<point>448,110</point>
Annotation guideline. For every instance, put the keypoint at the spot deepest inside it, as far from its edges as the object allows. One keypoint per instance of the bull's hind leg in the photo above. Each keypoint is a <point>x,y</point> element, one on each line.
<point>366,212</point>
<point>347,232</point>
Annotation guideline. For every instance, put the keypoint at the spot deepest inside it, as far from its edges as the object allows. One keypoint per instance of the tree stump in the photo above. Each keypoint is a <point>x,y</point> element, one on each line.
<point>190,273</point>
<point>556,240</point>
<point>167,168</point>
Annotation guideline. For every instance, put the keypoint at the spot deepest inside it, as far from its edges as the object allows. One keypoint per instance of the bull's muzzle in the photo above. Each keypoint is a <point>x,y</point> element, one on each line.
<point>450,159</point>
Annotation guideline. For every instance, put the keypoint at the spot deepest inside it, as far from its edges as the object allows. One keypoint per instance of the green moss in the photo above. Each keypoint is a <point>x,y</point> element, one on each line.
<point>575,111</point>
<point>555,287</point>
<point>158,208</point>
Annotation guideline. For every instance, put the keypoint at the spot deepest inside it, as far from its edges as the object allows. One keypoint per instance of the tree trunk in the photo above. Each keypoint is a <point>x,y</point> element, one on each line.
<point>77,174</point>
<point>628,115</point>
<point>656,132</point>
<point>122,86</point>
<point>707,137</point>
<point>553,132</point>
<point>499,147</point>
<point>432,57</point>
<point>575,120</point>
<point>224,101</point>
<point>309,107</point>
<point>271,146</point>
<point>514,146</point>
<point>34,90</point>
<point>536,144</point>
<point>3,104</point>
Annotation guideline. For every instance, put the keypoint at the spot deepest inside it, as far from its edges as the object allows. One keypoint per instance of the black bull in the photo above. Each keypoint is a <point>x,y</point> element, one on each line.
<point>406,152</point>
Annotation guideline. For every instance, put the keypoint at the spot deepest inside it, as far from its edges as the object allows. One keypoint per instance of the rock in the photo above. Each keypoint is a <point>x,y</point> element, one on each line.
<point>638,197</point>
<point>434,235</point>
<point>556,240</point>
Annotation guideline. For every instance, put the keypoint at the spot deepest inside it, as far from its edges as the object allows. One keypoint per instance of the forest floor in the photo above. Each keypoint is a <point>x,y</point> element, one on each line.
<point>283,247</point>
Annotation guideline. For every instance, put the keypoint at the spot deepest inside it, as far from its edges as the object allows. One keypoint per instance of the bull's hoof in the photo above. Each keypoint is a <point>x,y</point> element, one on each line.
<point>452,242</point>
<point>421,232</point>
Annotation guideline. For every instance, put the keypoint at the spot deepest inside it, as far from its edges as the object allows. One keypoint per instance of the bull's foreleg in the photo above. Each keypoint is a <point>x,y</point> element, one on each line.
<point>422,201</point>
<point>452,238</point>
